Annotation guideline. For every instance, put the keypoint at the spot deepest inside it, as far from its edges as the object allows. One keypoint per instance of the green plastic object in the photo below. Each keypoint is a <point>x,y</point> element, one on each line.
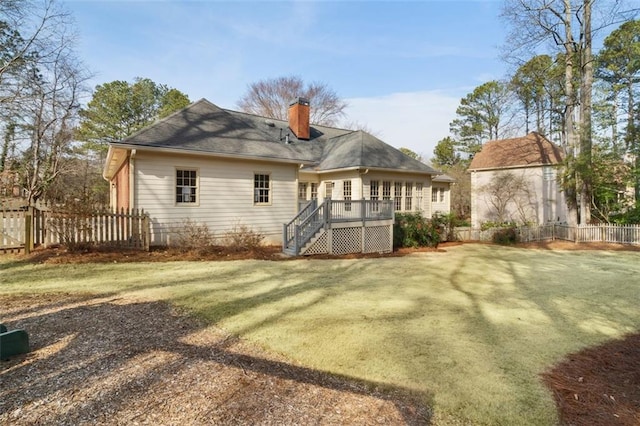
<point>3,328</point>
<point>14,342</point>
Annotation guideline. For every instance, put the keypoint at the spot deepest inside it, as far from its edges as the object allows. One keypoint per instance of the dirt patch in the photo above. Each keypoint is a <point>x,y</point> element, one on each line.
<point>113,360</point>
<point>599,386</point>
<point>568,245</point>
<point>272,253</point>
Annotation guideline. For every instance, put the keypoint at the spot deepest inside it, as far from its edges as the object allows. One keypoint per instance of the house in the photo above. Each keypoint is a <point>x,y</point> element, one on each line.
<point>224,168</point>
<point>517,180</point>
<point>441,194</point>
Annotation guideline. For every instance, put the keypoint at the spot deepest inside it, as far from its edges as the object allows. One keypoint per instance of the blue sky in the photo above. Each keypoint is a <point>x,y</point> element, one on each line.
<point>401,66</point>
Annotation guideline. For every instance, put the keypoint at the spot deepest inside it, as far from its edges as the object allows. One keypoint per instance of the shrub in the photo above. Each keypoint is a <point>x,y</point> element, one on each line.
<point>194,236</point>
<point>446,222</point>
<point>412,230</point>
<point>505,236</point>
<point>242,238</point>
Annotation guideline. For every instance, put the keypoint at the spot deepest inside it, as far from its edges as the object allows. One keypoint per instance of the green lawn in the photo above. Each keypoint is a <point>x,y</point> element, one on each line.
<point>471,328</point>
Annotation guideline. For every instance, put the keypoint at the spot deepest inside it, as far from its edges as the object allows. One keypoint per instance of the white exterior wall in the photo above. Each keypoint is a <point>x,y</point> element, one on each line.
<point>225,195</point>
<point>443,206</point>
<point>546,202</point>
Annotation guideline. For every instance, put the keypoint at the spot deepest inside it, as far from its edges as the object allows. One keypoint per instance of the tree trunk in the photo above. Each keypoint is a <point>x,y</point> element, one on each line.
<point>586,85</point>
<point>614,124</point>
<point>569,111</point>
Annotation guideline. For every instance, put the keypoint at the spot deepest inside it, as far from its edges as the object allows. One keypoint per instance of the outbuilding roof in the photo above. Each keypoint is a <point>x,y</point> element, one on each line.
<point>530,150</point>
<point>203,127</point>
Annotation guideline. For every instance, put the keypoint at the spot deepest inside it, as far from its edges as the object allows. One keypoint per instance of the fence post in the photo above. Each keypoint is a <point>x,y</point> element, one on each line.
<point>146,229</point>
<point>28,230</point>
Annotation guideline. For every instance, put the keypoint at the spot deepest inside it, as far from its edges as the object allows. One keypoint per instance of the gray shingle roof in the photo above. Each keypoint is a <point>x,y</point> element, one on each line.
<point>204,127</point>
<point>360,149</point>
<point>444,178</point>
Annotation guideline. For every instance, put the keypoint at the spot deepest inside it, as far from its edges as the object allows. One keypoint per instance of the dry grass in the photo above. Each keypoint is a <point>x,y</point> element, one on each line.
<point>471,328</point>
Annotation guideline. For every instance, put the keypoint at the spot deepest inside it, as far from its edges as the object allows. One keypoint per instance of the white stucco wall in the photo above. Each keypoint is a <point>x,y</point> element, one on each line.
<point>545,202</point>
<point>225,195</point>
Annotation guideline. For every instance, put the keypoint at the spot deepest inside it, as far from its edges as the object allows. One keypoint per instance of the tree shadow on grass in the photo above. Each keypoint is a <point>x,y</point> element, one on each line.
<point>110,360</point>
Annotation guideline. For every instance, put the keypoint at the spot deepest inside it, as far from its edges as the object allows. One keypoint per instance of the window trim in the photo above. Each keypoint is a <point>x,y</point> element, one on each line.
<point>269,189</point>
<point>175,186</point>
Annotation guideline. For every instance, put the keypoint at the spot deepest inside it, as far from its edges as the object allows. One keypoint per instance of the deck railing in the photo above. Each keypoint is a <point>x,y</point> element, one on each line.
<point>312,218</point>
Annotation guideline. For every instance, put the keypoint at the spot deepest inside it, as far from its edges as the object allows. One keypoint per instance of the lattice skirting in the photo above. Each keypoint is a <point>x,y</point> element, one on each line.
<point>346,240</point>
<point>377,239</point>
<point>320,246</point>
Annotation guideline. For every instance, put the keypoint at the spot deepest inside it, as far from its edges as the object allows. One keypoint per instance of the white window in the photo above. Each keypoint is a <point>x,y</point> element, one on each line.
<point>548,173</point>
<point>442,195</point>
<point>261,188</point>
<point>408,196</point>
<point>374,190</point>
<point>434,195</point>
<point>314,191</point>
<point>374,194</point>
<point>397,196</point>
<point>346,190</point>
<point>386,190</point>
<point>302,190</point>
<point>419,196</point>
<point>186,186</point>
<point>346,194</point>
<point>328,189</point>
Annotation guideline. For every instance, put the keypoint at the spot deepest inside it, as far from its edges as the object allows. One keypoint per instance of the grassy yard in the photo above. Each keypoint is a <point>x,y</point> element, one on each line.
<point>471,328</point>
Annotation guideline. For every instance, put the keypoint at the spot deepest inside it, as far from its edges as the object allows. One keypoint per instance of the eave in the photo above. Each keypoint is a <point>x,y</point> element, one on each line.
<point>117,150</point>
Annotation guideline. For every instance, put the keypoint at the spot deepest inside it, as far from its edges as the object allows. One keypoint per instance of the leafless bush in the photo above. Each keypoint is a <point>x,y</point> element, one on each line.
<point>194,236</point>
<point>73,226</point>
<point>242,238</point>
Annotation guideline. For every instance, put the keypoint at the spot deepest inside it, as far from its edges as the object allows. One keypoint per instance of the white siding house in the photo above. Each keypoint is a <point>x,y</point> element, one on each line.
<point>225,168</point>
<point>516,180</point>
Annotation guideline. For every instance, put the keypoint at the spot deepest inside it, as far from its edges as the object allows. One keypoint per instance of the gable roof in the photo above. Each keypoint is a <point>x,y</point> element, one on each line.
<point>203,127</point>
<point>526,151</point>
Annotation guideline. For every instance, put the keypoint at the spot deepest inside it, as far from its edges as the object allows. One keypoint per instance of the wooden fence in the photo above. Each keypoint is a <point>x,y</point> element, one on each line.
<point>26,227</point>
<point>605,233</point>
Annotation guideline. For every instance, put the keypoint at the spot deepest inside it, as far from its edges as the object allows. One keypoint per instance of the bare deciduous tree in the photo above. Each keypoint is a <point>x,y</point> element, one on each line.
<point>41,83</point>
<point>271,98</point>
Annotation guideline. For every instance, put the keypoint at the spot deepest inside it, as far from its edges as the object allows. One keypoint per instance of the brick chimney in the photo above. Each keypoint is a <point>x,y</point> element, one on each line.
<point>299,118</point>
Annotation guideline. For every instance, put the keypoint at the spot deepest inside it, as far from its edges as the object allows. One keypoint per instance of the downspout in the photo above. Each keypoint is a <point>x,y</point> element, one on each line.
<point>132,179</point>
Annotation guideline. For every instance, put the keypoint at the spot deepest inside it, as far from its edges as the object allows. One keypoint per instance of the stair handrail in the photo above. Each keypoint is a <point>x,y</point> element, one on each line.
<point>289,228</point>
